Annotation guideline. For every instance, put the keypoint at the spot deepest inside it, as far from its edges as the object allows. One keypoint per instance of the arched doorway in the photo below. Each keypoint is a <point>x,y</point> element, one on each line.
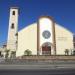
<point>46,48</point>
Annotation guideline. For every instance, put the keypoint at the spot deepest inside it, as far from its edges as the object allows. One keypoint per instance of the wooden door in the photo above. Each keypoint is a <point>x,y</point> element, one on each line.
<point>46,50</point>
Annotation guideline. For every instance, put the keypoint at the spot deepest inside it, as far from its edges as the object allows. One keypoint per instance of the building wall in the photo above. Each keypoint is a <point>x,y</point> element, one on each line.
<point>27,39</point>
<point>64,40</point>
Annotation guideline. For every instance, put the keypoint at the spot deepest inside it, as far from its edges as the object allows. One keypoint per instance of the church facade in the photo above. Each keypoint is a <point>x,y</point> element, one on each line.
<point>45,37</point>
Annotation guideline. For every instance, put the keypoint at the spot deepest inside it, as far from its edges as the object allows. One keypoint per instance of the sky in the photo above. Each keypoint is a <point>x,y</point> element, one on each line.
<point>62,11</point>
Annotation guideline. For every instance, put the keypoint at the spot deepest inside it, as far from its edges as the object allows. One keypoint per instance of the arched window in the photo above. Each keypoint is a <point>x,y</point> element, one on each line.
<point>12,26</point>
<point>13,13</point>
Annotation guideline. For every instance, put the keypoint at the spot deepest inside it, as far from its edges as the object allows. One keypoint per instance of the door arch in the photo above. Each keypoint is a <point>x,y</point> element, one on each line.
<point>46,48</point>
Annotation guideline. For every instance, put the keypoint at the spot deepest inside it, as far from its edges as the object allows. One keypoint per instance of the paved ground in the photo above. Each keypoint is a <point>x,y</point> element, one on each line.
<point>39,72</point>
<point>37,68</point>
<point>32,66</point>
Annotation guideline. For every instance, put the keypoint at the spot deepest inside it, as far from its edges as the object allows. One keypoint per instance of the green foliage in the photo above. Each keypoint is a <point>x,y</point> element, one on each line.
<point>13,54</point>
<point>27,52</point>
<point>73,52</point>
<point>6,53</point>
<point>66,51</point>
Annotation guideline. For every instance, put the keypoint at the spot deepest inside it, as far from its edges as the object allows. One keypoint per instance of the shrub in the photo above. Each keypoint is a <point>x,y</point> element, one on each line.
<point>27,52</point>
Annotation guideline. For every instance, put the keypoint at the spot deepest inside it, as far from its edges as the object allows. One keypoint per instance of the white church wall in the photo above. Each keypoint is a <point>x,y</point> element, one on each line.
<point>64,40</point>
<point>27,39</point>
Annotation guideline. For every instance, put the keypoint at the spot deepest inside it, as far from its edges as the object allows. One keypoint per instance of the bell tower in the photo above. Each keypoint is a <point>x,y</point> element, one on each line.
<point>12,31</point>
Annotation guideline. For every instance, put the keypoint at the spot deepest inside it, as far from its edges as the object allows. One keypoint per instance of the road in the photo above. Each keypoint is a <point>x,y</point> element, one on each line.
<point>36,66</point>
<point>48,69</point>
<point>55,68</point>
<point>39,72</point>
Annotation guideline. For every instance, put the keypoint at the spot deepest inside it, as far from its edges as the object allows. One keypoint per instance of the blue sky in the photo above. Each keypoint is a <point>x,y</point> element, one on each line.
<point>63,12</point>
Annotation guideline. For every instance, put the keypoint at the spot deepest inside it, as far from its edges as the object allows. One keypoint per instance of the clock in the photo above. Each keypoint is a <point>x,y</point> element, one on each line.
<point>46,34</point>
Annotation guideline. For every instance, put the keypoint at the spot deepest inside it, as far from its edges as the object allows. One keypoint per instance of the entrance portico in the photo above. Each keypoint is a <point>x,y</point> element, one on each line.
<point>46,36</point>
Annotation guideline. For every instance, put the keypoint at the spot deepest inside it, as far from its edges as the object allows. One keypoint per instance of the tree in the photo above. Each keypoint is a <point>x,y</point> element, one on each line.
<point>66,52</point>
<point>27,52</point>
<point>74,52</point>
<point>6,53</point>
<point>13,54</point>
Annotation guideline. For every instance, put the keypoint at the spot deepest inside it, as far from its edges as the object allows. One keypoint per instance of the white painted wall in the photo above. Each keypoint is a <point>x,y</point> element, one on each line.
<point>64,40</point>
<point>27,39</point>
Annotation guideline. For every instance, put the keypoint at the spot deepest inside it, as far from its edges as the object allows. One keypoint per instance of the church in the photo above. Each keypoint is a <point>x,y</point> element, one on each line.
<point>44,37</point>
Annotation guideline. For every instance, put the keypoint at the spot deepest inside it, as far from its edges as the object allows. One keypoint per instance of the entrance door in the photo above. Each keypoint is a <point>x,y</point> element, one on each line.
<point>46,50</point>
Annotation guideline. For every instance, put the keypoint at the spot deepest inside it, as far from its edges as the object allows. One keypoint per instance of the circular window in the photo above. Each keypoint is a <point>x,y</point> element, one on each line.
<point>46,34</point>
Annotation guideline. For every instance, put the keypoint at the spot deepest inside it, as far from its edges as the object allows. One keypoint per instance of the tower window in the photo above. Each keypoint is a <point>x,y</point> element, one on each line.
<point>13,13</point>
<point>16,34</point>
<point>12,26</point>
